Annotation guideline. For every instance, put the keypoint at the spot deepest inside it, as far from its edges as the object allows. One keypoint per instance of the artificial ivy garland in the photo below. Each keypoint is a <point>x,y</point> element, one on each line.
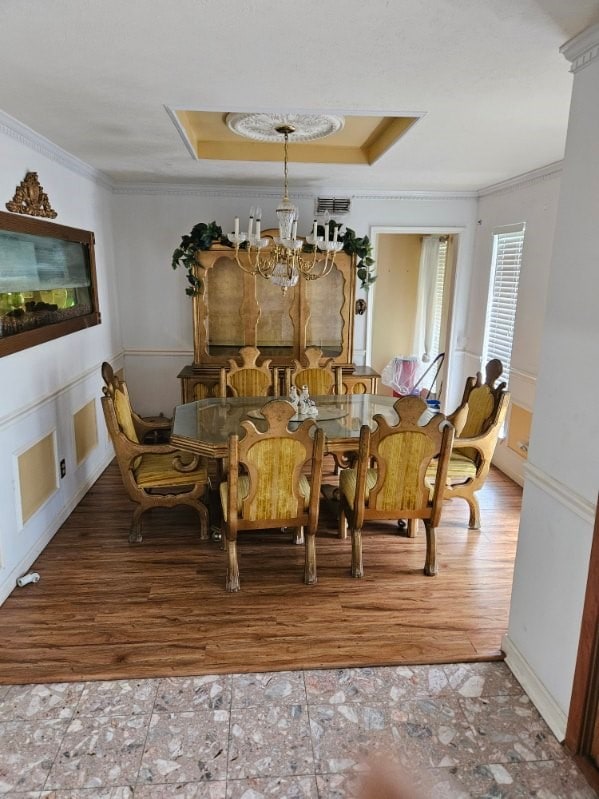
<point>203,236</point>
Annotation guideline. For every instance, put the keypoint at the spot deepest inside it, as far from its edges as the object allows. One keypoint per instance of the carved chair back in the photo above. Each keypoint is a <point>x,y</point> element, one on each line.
<point>247,379</point>
<point>483,412</point>
<point>267,486</point>
<point>142,428</point>
<point>390,478</point>
<point>320,377</point>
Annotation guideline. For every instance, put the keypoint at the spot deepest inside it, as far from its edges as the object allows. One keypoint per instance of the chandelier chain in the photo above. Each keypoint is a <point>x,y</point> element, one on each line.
<point>285,151</point>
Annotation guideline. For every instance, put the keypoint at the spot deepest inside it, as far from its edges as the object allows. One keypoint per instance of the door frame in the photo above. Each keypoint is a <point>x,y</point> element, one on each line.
<point>451,273</point>
<point>583,715</point>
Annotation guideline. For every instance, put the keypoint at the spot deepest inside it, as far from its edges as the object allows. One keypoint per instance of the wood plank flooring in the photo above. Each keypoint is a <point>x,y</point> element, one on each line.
<point>105,609</point>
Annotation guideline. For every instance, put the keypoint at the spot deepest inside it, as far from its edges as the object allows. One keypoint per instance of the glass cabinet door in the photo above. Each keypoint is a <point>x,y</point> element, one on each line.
<point>325,298</point>
<point>276,334</point>
<point>224,294</point>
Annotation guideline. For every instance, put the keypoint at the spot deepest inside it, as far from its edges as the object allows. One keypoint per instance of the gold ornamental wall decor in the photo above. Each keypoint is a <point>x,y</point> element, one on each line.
<point>31,199</point>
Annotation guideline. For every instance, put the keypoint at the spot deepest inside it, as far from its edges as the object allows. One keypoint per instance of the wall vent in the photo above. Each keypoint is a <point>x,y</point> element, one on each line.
<point>334,205</point>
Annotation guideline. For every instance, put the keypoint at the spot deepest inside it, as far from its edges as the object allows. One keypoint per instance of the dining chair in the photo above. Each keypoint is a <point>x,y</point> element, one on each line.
<point>146,427</point>
<point>390,481</point>
<point>154,475</point>
<point>320,377</point>
<point>483,410</point>
<point>267,487</point>
<point>248,379</point>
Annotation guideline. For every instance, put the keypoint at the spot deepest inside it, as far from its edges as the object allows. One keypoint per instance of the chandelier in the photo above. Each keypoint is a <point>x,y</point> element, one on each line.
<point>284,258</point>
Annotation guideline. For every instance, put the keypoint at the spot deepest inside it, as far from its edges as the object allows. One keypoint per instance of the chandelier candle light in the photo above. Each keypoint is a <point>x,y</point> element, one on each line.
<point>283,260</point>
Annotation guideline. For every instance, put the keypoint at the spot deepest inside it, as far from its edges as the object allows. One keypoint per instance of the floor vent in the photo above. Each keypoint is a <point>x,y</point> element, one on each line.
<point>334,205</point>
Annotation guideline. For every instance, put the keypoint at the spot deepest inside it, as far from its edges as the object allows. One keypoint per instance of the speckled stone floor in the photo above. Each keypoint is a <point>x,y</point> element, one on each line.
<point>464,730</point>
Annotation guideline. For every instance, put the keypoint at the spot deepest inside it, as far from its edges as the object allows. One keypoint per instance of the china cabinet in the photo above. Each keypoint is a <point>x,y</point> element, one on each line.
<point>236,309</point>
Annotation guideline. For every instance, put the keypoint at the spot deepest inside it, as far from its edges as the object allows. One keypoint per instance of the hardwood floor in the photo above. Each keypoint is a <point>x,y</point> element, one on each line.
<point>105,609</point>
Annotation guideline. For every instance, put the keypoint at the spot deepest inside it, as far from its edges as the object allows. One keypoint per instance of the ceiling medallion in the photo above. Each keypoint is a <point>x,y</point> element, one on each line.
<point>267,127</point>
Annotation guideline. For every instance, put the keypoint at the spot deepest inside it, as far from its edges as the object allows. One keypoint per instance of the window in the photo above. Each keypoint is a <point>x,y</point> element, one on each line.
<point>438,295</point>
<point>508,243</point>
<point>438,291</point>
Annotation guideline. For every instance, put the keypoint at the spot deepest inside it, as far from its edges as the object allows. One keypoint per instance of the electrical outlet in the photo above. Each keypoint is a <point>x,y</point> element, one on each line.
<point>63,468</point>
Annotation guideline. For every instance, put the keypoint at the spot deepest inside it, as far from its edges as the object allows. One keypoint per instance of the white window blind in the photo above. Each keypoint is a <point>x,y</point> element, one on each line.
<point>508,243</point>
<point>438,296</point>
<point>438,307</point>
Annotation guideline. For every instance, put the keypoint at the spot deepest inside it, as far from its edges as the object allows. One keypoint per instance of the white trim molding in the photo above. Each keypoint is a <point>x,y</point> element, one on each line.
<point>526,376</point>
<point>582,49</point>
<point>158,353</point>
<point>537,692</point>
<point>565,495</point>
<point>16,130</point>
<point>182,189</point>
<point>52,396</point>
<point>528,178</point>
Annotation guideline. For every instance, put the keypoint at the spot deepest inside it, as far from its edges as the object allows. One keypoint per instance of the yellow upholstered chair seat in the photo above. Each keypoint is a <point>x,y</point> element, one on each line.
<point>158,471</point>
<point>347,483</point>
<point>243,489</point>
<point>460,468</point>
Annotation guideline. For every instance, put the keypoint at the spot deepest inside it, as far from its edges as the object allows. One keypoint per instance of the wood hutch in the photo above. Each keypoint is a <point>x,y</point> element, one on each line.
<point>237,309</point>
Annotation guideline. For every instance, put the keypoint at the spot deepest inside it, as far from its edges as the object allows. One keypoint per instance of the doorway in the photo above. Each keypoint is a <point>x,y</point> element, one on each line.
<point>413,300</point>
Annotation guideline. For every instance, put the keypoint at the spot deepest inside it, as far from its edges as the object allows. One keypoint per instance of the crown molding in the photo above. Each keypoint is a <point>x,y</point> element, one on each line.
<point>582,49</point>
<point>185,190</point>
<point>19,132</point>
<point>188,190</point>
<point>409,194</point>
<point>527,179</point>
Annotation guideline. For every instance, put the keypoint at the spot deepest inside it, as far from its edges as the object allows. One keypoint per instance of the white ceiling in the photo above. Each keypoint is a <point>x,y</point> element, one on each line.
<point>95,77</point>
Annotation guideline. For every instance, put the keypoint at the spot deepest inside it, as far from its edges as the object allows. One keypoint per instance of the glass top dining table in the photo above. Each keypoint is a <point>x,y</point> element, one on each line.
<point>203,427</point>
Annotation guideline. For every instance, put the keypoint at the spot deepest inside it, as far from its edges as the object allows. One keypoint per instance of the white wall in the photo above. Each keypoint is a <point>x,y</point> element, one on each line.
<point>156,318</point>
<point>41,387</point>
<point>531,199</point>
<point>562,478</point>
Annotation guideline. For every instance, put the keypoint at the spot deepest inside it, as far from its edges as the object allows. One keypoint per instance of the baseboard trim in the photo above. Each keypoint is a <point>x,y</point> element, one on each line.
<point>510,472</point>
<point>8,585</point>
<point>554,716</point>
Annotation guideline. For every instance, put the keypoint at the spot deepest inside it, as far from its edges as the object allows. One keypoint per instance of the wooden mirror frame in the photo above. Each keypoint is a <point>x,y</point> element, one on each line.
<point>35,227</point>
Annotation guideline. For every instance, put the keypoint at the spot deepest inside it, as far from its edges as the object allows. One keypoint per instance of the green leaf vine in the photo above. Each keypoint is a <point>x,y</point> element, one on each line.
<point>204,235</point>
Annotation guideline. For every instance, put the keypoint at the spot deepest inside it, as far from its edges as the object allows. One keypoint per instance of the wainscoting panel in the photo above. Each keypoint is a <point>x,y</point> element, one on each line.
<point>85,430</point>
<point>35,500</point>
<point>520,420</point>
<point>38,478</point>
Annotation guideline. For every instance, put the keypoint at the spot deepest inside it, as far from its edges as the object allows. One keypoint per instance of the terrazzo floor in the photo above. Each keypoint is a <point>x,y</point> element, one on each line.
<point>465,730</point>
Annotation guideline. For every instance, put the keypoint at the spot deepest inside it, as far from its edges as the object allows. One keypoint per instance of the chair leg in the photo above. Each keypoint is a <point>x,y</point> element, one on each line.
<point>430,565</point>
<point>204,520</point>
<point>474,521</point>
<point>357,567</point>
<point>342,523</point>
<point>412,528</point>
<point>135,536</point>
<point>232,581</point>
<point>310,565</point>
